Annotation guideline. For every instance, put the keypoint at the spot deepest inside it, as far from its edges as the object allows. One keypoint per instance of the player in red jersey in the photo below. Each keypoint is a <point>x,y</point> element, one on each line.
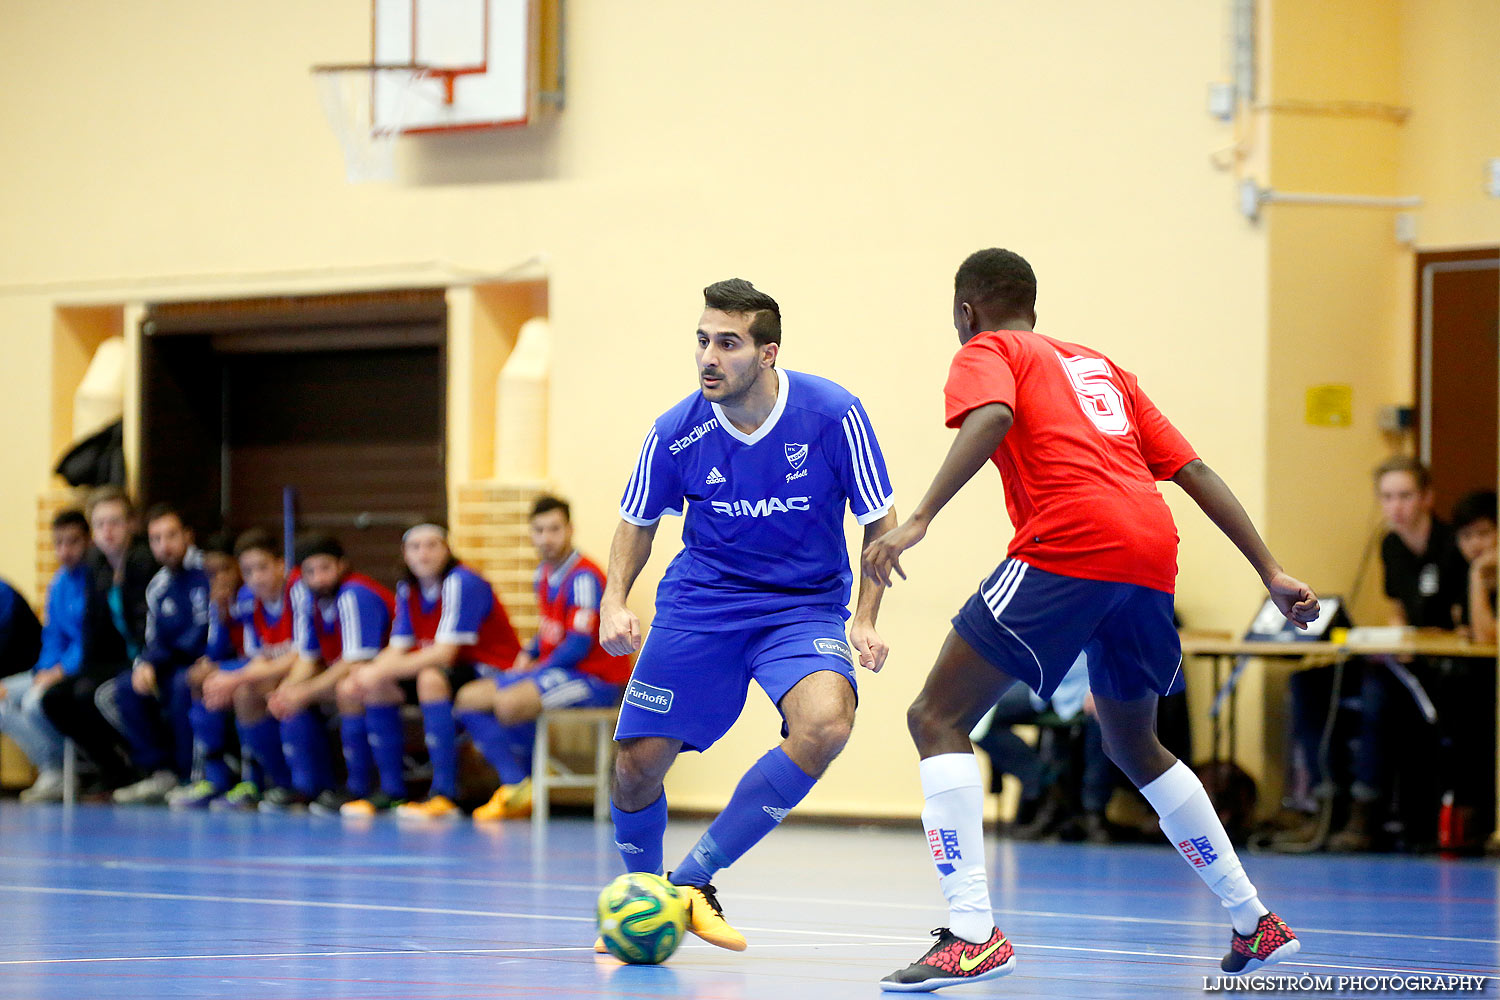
<point>264,608</point>
<point>563,667</point>
<point>449,626</point>
<point>1091,571</point>
<point>342,618</point>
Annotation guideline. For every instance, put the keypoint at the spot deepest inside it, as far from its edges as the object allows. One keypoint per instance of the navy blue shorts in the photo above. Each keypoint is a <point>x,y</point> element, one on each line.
<point>563,687</point>
<point>691,686</point>
<point>1033,624</point>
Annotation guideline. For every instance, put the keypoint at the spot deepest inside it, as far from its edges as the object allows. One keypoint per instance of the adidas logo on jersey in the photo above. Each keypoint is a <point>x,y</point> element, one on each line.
<point>777,814</point>
<point>715,477</point>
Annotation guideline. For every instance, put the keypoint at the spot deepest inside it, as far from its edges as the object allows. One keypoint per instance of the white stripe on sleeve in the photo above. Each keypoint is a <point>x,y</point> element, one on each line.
<point>867,496</point>
<point>640,479</point>
<point>867,453</point>
<point>448,621</point>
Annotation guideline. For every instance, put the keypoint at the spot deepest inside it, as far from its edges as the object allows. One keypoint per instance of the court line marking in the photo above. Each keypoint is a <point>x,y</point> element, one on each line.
<point>482,952</point>
<point>872,939</point>
<point>758,897</point>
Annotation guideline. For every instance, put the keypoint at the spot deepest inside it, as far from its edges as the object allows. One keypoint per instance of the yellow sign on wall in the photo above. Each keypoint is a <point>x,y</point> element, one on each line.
<point>1330,405</point>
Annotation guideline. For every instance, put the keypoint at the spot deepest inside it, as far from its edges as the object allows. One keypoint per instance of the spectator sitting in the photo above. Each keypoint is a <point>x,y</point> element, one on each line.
<point>61,655</point>
<point>211,776</point>
<point>448,625</point>
<point>1046,806</point>
<point>1425,580</point>
<point>1474,528</point>
<point>264,604</point>
<point>20,632</point>
<point>563,666</point>
<point>119,569</point>
<point>149,704</point>
<point>342,619</point>
<point>1463,688</point>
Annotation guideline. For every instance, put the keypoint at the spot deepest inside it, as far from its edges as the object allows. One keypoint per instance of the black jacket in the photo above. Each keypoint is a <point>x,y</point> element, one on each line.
<point>105,650</point>
<point>20,632</point>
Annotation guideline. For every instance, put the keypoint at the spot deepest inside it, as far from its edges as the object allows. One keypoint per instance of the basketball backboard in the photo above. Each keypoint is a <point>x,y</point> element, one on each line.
<point>482,59</point>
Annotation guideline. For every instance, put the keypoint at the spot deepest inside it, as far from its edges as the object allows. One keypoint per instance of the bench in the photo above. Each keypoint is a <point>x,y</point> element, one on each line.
<point>547,772</point>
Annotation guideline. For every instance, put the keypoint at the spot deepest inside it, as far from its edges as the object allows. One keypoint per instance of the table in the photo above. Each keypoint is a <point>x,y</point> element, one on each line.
<point>1222,649</point>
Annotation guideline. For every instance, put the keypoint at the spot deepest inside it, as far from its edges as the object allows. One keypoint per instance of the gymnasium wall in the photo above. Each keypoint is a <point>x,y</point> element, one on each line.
<point>844,156</point>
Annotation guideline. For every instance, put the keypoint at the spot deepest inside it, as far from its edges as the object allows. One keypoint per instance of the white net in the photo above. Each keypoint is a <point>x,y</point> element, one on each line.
<point>367,107</point>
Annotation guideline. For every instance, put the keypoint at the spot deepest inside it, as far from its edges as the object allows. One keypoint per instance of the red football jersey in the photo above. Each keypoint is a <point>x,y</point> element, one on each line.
<point>1081,462</point>
<point>574,607</point>
<point>464,612</point>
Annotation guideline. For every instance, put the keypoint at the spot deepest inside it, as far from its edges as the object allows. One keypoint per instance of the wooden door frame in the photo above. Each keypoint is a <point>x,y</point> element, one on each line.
<point>1429,263</point>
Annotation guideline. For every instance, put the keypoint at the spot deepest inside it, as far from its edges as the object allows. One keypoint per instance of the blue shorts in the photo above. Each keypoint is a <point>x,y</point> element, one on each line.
<point>1033,624</point>
<point>564,687</point>
<point>691,686</point>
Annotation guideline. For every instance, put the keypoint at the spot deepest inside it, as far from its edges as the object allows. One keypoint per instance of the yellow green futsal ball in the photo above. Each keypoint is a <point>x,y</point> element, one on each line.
<point>642,918</point>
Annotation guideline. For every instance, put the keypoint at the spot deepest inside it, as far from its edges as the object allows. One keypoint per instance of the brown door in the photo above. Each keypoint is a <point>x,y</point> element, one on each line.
<point>1458,325</point>
<point>356,435</point>
<point>339,398</point>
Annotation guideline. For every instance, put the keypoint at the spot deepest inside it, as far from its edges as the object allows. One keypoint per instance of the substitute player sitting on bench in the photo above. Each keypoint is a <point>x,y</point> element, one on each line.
<point>563,667</point>
<point>265,604</point>
<point>342,618</point>
<point>449,625</point>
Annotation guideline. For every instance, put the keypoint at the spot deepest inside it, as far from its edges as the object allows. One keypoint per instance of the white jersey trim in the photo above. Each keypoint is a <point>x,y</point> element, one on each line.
<point>875,515</point>
<point>638,492</point>
<point>645,522</point>
<point>767,425</point>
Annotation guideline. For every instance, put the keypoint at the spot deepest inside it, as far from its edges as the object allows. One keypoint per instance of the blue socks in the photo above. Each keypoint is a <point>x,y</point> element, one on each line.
<point>638,835</point>
<point>263,740</point>
<point>767,792</point>
<point>383,723</point>
<point>442,747</point>
<point>208,746</point>
<point>495,741</point>
<point>357,758</point>
<point>306,748</point>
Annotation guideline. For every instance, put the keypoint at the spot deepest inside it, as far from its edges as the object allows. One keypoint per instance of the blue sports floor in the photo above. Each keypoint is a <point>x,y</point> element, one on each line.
<point>116,902</point>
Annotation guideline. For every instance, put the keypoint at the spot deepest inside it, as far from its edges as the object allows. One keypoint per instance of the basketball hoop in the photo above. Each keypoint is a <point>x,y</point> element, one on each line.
<point>367,106</point>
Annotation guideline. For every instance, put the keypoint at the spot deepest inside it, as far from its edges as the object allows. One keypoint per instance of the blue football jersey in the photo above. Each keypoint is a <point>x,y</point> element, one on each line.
<point>763,540</point>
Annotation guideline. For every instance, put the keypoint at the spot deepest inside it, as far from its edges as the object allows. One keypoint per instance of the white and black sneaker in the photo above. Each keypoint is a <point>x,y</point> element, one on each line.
<point>150,790</point>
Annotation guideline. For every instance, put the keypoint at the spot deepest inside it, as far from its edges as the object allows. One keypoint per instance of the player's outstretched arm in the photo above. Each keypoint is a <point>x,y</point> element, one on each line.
<point>1295,598</point>
<point>619,628</point>
<point>870,648</point>
<point>981,433</point>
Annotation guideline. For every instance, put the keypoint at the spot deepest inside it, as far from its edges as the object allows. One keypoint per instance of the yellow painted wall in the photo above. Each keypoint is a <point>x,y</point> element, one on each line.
<point>1448,78</point>
<point>845,156</point>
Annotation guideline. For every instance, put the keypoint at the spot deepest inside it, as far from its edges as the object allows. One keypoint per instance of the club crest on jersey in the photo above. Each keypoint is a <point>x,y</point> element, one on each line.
<point>648,696</point>
<point>796,454</point>
<point>761,508</point>
<point>1198,851</point>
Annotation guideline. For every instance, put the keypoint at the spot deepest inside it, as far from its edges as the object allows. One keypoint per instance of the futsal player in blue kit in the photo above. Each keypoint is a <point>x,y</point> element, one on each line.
<point>762,462</point>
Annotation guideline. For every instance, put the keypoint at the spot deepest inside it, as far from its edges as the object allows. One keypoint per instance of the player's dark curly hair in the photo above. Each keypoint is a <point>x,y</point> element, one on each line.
<point>256,540</point>
<point>1476,506</point>
<point>547,503</point>
<point>998,279</point>
<point>318,545</point>
<point>736,295</point>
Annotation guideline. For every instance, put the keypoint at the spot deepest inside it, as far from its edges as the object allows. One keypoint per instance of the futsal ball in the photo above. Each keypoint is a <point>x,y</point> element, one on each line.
<point>642,918</point>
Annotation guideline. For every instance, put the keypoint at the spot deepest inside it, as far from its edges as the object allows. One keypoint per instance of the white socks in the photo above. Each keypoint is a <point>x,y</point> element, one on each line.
<point>1192,825</point>
<point>954,820</point>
